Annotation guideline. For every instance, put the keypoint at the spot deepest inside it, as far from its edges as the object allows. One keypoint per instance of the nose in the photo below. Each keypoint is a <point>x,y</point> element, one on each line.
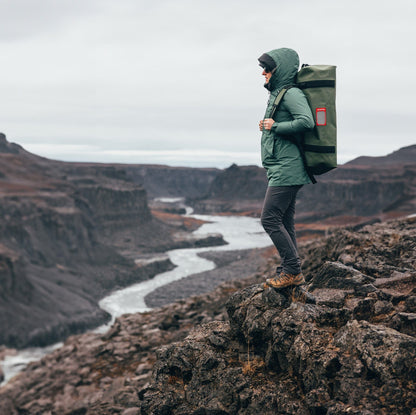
<point>264,72</point>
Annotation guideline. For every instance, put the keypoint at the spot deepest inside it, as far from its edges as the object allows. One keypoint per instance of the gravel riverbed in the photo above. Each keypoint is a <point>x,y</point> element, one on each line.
<point>230,265</point>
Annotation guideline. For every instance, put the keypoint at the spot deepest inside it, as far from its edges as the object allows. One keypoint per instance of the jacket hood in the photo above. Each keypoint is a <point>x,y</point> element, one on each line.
<point>287,65</point>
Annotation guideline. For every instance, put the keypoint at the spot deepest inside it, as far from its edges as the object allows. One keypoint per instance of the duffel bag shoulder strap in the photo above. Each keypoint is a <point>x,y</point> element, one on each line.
<point>279,99</point>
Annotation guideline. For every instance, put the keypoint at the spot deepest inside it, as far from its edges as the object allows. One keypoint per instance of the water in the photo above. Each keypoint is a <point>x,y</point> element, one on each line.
<point>14,364</point>
<point>240,233</point>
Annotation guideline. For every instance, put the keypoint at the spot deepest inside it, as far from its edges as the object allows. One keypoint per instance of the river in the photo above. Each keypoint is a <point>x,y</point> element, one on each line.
<point>238,231</point>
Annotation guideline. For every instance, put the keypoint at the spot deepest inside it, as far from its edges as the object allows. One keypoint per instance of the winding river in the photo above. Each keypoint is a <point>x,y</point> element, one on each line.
<point>238,231</point>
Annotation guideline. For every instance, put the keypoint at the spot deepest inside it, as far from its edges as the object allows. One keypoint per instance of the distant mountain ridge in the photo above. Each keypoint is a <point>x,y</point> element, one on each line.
<point>405,155</point>
<point>366,186</point>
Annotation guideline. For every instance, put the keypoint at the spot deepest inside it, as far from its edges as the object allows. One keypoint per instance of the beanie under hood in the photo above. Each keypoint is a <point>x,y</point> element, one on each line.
<point>286,63</point>
<point>267,62</point>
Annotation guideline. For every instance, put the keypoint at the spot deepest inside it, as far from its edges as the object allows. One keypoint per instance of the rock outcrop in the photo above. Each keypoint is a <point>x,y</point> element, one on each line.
<point>244,349</point>
<point>348,353</point>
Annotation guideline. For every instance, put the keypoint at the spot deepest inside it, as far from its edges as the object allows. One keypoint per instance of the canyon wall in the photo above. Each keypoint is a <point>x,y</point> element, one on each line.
<point>367,186</point>
<point>167,181</point>
<point>69,234</point>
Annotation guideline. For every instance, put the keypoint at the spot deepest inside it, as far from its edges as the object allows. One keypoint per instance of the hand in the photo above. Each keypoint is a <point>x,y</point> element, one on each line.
<point>267,123</point>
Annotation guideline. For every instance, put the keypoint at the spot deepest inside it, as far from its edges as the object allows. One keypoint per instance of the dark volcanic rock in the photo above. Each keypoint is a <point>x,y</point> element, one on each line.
<point>338,275</point>
<point>283,357</point>
<point>274,346</point>
<point>244,349</point>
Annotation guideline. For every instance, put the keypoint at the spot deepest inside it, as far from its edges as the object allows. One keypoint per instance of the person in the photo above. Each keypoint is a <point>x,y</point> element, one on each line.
<point>283,161</point>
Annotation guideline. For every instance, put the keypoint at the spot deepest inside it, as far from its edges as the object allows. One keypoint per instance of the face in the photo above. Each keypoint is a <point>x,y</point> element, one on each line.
<point>267,75</point>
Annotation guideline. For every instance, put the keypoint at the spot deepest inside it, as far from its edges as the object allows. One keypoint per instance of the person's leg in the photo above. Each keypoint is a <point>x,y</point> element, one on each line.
<point>279,208</point>
<point>289,222</point>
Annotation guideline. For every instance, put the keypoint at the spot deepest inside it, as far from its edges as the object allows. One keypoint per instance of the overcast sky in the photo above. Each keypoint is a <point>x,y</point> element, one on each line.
<point>177,82</point>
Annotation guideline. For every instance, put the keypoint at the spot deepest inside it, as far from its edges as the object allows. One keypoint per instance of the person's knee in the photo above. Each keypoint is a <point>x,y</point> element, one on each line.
<point>270,223</point>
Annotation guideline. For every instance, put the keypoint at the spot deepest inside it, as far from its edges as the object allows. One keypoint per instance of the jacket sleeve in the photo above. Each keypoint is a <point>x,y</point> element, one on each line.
<point>296,104</point>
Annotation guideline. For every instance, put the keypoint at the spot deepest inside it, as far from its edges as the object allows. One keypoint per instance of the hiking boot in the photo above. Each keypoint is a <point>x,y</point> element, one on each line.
<point>285,280</point>
<point>303,296</point>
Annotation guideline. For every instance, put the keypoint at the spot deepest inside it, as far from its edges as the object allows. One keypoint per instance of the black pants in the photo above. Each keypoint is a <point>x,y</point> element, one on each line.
<point>278,220</point>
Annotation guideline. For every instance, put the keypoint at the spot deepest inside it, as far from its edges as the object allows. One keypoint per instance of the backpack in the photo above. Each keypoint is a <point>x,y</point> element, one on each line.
<point>318,146</point>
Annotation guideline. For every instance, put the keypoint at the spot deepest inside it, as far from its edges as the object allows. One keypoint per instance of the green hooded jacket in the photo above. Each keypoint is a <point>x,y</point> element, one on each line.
<point>281,157</point>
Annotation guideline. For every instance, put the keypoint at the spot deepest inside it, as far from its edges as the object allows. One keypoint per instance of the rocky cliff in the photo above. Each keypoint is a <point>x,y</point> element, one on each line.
<point>244,349</point>
<point>168,181</point>
<point>364,187</point>
<point>236,189</point>
<point>69,234</point>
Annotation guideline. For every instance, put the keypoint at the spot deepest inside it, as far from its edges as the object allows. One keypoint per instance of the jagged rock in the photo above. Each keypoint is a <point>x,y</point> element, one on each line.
<point>337,365</point>
<point>387,355</point>
<point>364,290</point>
<point>294,345</point>
<point>332,297</point>
<point>251,311</point>
<point>199,378</point>
<point>338,275</point>
<point>382,307</point>
<point>405,323</point>
<point>411,304</point>
<point>353,352</point>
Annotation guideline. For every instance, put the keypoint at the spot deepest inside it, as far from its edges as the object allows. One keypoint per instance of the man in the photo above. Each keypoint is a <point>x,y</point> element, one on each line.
<point>282,160</point>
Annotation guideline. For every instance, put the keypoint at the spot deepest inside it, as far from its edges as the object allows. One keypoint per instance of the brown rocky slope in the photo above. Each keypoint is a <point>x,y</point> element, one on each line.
<point>243,349</point>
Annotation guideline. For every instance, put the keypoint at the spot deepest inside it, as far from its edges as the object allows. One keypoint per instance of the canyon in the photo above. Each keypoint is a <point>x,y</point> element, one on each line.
<point>69,234</point>
<point>72,232</point>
